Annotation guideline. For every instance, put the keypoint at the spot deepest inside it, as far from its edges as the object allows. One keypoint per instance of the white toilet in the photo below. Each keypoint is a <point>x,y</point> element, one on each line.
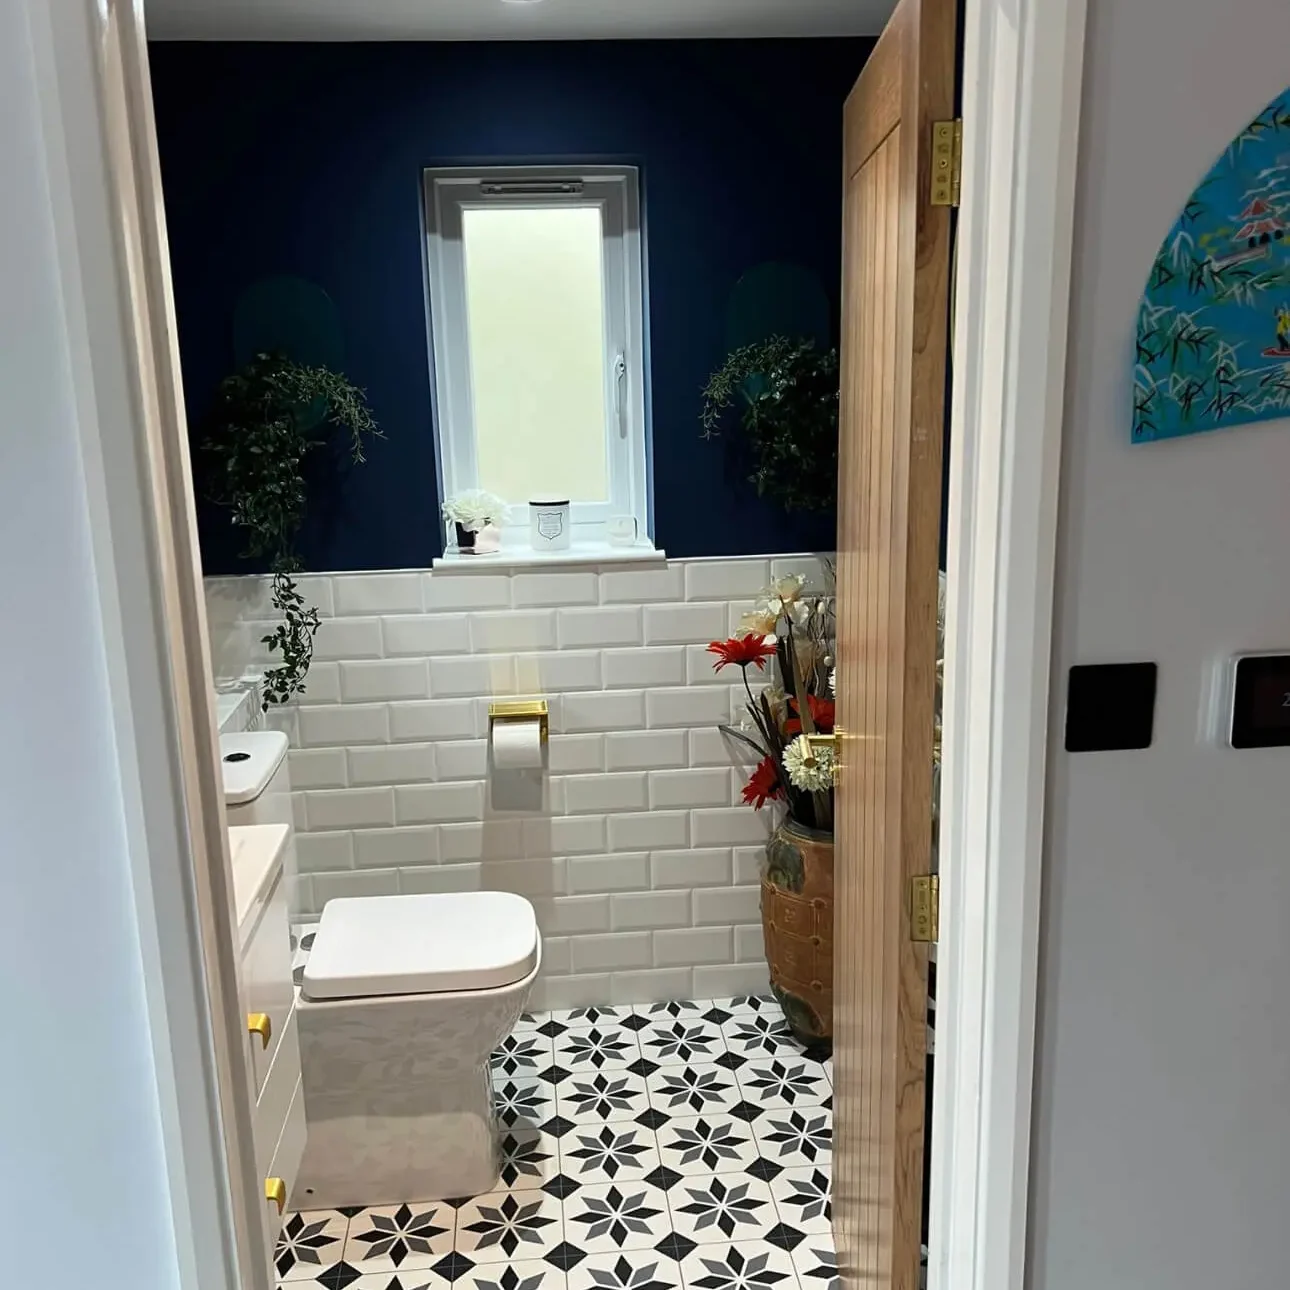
<point>402,1002</point>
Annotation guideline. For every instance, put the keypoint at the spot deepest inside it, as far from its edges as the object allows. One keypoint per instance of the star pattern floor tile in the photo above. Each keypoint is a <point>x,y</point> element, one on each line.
<point>684,1145</point>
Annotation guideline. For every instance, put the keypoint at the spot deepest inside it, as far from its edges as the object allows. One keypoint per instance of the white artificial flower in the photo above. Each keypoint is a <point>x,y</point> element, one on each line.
<point>810,769</point>
<point>474,508</point>
<point>788,588</point>
<point>758,622</point>
<point>801,612</point>
<point>775,605</point>
<point>833,681</point>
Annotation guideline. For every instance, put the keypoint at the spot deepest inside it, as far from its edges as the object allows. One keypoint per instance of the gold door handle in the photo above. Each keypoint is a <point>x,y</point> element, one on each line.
<point>258,1023</point>
<point>276,1191</point>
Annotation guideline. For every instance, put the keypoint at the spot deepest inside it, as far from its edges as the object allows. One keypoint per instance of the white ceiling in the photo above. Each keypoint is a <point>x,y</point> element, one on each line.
<point>497,20</point>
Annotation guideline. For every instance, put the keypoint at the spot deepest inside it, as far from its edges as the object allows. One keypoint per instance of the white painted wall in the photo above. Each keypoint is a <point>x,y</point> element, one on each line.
<point>83,1178</point>
<point>1162,1126</point>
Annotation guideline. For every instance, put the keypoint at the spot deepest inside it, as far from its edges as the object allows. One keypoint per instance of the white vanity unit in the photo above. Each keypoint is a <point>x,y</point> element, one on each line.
<point>260,860</point>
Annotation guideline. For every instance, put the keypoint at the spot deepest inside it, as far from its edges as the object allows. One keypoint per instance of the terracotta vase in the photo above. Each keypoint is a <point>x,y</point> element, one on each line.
<point>797,922</point>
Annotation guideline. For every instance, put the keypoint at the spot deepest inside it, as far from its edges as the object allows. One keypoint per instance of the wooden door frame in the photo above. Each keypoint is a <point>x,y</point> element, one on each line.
<point>1022,79</point>
<point>101,156</point>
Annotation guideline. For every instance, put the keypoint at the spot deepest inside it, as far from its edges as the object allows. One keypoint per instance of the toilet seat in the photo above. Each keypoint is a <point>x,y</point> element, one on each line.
<point>429,944</point>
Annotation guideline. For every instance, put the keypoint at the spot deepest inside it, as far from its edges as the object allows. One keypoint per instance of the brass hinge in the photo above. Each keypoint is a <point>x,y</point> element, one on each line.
<point>947,161</point>
<point>925,908</point>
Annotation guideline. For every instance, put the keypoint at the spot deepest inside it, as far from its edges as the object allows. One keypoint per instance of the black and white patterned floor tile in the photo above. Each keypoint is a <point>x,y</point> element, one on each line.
<point>675,1146</point>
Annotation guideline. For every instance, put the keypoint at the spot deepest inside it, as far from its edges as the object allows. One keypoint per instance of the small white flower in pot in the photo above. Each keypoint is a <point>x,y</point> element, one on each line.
<point>473,512</point>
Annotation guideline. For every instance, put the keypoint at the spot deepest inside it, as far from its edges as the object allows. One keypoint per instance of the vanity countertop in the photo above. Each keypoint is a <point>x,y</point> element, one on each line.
<point>256,851</point>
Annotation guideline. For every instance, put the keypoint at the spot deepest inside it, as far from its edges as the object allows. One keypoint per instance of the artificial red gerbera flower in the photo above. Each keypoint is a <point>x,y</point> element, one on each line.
<point>764,785</point>
<point>741,650</point>
<point>822,713</point>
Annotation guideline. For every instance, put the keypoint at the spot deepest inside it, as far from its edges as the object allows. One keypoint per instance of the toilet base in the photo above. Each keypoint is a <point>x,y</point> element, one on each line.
<point>398,1097</point>
<point>437,1144</point>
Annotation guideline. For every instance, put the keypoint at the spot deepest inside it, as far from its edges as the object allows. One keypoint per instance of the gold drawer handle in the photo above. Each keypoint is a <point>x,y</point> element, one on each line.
<point>276,1191</point>
<point>258,1023</point>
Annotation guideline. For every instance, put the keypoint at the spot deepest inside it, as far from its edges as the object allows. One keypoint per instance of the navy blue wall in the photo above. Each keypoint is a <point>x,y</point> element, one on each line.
<point>306,160</point>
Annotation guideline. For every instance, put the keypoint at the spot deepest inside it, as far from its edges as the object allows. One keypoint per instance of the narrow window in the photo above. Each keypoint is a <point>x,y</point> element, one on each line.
<point>538,324</point>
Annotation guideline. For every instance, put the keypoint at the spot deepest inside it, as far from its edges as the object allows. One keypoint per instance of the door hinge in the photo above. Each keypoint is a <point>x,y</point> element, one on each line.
<point>947,161</point>
<point>925,908</point>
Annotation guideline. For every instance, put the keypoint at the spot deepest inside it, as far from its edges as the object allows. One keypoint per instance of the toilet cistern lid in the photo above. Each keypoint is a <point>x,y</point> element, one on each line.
<point>430,944</point>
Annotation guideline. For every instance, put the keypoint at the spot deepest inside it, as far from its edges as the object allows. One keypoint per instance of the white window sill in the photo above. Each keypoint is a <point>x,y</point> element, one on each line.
<point>453,561</point>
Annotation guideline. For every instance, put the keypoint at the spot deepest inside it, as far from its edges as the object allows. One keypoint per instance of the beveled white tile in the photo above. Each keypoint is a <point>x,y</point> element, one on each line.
<point>390,1237</point>
<point>341,638</point>
<point>598,628</point>
<point>666,583</point>
<point>392,764</point>
<point>684,624</point>
<point>554,589</point>
<point>585,794</point>
<point>673,788</point>
<point>601,710</point>
<point>432,719</point>
<point>337,727</point>
<point>644,750</point>
<point>687,706</point>
<point>657,665</point>
<point>467,591</point>
<point>482,674</point>
<point>425,634</point>
<point>377,593</point>
<point>515,630</point>
<point>725,579</point>
<point>365,680</point>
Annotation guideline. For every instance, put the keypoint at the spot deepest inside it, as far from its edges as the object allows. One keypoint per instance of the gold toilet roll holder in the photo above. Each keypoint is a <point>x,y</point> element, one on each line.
<point>520,710</point>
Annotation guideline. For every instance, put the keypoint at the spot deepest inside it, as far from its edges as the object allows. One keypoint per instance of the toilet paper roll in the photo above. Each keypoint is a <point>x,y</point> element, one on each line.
<point>517,745</point>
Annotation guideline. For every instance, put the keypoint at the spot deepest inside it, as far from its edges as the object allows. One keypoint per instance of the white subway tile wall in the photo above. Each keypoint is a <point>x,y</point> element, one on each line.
<point>644,869</point>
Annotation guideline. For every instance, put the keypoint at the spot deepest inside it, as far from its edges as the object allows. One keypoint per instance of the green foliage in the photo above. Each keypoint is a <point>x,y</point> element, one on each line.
<point>263,423</point>
<point>787,398</point>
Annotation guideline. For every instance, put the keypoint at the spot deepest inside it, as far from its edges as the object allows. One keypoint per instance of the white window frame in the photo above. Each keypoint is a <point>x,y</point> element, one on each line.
<point>616,191</point>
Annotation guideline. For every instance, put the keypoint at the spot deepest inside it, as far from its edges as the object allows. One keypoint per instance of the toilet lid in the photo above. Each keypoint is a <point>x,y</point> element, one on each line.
<point>370,945</point>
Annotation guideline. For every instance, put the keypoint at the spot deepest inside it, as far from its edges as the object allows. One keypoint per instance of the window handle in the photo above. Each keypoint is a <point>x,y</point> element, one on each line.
<point>620,400</point>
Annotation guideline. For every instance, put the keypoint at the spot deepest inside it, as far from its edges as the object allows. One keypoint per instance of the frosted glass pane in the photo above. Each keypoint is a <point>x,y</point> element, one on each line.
<point>535,317</point>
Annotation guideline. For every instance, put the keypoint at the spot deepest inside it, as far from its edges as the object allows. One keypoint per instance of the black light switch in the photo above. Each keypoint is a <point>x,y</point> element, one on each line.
<point>1261,702</point>
<point>1110,706</point>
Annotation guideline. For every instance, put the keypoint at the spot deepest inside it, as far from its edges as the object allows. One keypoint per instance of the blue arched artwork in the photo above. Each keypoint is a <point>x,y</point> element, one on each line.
<point>1213,343</point>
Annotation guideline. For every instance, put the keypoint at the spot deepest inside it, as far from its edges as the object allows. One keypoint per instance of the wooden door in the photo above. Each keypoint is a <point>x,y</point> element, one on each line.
<point>896,258</point>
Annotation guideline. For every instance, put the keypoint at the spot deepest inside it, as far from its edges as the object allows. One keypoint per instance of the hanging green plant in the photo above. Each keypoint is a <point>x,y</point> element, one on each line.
<point>264,421</point>
<point>787,395</point>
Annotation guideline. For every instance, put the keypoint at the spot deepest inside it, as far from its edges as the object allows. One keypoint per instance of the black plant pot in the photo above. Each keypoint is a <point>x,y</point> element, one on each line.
<point>465,540</point>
